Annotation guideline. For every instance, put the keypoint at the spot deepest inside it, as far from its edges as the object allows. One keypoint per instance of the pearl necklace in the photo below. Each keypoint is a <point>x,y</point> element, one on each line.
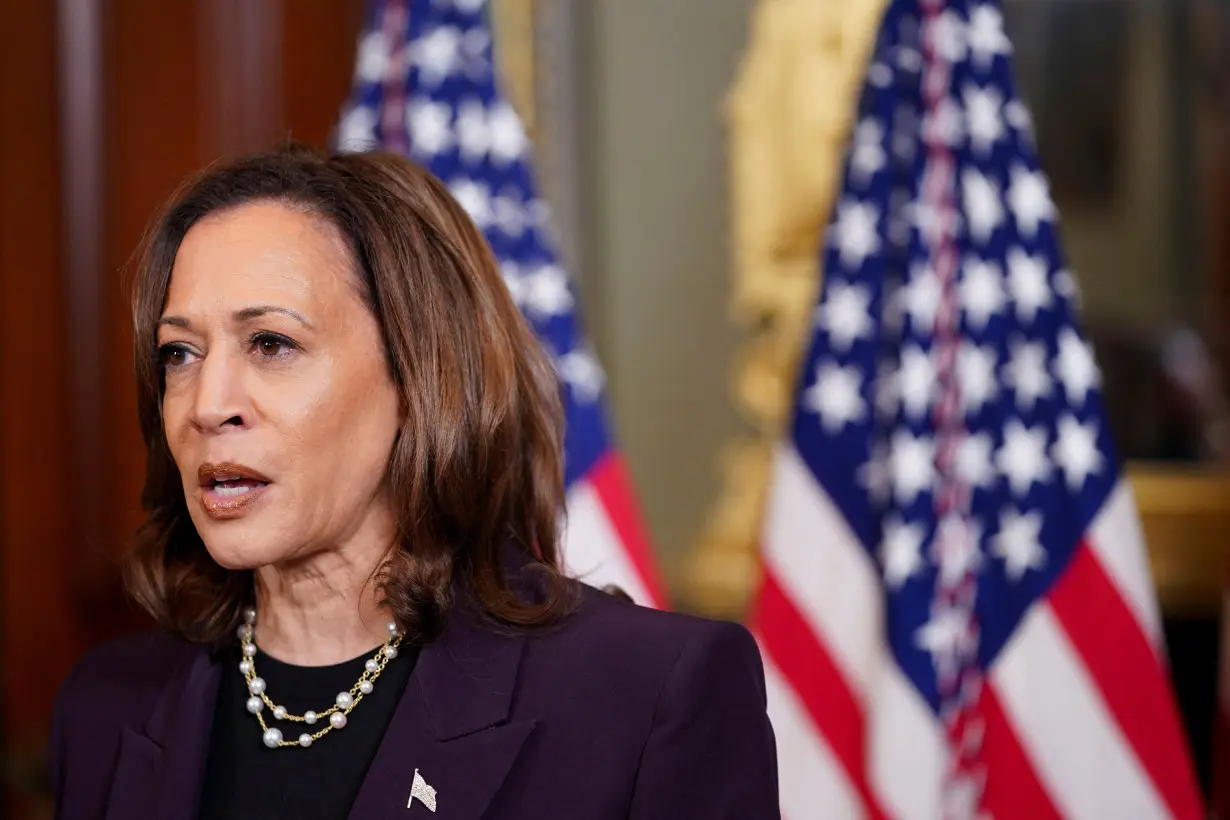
<point>335,714</point>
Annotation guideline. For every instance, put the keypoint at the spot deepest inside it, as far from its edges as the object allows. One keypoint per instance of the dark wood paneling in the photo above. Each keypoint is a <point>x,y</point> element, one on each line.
<point>37,351</point>
<point>103,117</point>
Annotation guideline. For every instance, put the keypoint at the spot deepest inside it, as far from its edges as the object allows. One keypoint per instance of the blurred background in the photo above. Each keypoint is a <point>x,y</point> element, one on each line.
<point>692,246</point>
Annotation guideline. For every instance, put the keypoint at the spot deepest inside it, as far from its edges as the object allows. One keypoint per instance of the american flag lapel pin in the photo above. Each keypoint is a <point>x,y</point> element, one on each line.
<point>425,793</point>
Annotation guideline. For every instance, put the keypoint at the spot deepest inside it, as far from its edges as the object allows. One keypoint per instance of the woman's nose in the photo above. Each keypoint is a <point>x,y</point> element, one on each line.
<point>220,401</point>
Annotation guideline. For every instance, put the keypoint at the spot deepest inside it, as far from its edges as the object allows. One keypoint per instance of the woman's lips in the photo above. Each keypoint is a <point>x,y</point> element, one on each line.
<point>231,499</point>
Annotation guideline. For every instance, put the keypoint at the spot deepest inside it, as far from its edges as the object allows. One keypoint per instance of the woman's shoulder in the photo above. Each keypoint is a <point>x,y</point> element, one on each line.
<point>607,634</point>
<point>123,675</point>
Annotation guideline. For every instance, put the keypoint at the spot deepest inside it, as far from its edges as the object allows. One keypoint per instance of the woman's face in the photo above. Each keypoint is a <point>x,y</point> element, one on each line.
<point>279,408</point>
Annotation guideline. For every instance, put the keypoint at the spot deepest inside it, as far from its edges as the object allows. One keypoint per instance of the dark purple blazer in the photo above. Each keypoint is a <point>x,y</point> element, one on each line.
<point>620,712</point>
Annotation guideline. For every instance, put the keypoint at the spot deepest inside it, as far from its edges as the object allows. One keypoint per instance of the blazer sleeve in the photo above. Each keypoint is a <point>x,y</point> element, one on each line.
<point>711,752</point>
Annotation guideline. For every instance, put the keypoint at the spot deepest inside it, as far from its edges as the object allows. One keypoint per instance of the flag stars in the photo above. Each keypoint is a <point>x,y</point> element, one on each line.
<point>844,313</point>
<point>1022,456</point>
<point>956,542</point>
<point>430,126</point>
<point>912,465</point>
<point>915,380</point>
<point>1018,543</point>
<point>921,298</point>
<point>545,292</point>
<point>1027,375</point>
<point>580,370</point>
<point>982,292</point>
<point>475,198</point>
<point>437,54</point>
<point>855,233</point>
<point>946,635</point>
<point>901,551</point>
<point>1030,200</point>
<point>508,139</point>
<point>1027,280</point>
<point>1076,367</point>
<point>1076,451</point>
<point>867,154</point>
<point>836,396</point>
<point>983,210</point>
<point>976,375</point>
<point>973,461</point>
<point>983,111</point>
<point>473,135</point>
<point>985,35</point>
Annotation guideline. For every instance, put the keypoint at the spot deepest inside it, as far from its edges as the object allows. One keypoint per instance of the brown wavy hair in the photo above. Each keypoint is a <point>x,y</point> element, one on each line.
<point>476,471</point>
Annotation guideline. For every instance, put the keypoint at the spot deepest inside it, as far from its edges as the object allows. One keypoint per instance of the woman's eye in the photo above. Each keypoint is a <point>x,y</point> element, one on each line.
<point>174,355</point>
<point>271,345</point>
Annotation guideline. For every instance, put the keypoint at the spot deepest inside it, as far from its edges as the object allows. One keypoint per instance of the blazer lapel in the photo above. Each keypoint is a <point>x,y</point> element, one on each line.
<point>451,727</point>
<point>161,766</point>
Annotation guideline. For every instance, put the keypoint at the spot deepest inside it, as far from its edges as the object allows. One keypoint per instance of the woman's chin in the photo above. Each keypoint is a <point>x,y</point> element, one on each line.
<point>249,553</point>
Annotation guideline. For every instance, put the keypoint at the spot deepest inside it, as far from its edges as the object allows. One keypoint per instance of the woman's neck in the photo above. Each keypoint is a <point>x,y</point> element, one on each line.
<point>320,612</point>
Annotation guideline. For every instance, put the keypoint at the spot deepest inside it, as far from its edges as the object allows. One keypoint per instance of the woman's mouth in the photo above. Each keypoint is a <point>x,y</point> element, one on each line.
<point>227,491</point>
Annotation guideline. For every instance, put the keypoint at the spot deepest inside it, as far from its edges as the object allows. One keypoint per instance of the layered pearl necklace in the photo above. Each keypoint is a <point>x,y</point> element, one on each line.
<point>335,715</point>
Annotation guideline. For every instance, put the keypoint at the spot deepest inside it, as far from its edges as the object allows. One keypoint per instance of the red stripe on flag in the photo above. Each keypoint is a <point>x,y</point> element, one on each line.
<point>1012,786</point>
<point>1130,676</point>
<point>610,481</point>
<point>797,652</point>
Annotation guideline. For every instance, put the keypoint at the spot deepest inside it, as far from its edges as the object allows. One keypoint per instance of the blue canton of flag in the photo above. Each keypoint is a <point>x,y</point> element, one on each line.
<point>426,86</point>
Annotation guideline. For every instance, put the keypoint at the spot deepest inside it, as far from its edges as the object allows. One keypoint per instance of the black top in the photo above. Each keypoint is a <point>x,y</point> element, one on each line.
<point>246,779</point>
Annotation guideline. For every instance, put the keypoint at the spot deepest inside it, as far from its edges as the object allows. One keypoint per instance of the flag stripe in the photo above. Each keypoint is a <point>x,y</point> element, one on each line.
<point>810,549</point>
<point>907,746</point>
<point>821,688</point>
<point>814,785</point>
<point>591,547</point>
<point>1063,725</point>
<point>1116,538</point>
<point>612,483</point>
<point>1129,675</point>
<point>1012,788</point>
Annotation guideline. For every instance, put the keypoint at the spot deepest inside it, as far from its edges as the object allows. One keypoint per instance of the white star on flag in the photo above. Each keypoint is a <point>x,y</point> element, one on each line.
<point>921,298</point>
<point>437,54</point>
<point>956,540</point>
<point>1017,115</point>
<point>581,371</point>
<point>947,36</point>
<point>1018,543</point>
<point>844,314</point>
<point>545,292</point>
<point>985,124</point>
<point>1027,375</point>
<point>982,204</point>
<point>1076,367</point>
<point>912,465</point>
<point>357,130</point>
<point>945,636</point>
<point>901,551</point>
<point>430,125</point>
<point>509,216</point>
<point>474,198</point>
<point>372,60</point>
<point>1022,456</point>
<point>855,232</point>
<point>915,380</point>
<point>874,474</point>
<point>1027,280</point>
<point>946,124</point>
<point>985,35</point>
<point>508,140</point>
<point>867,155</point>
<point>473,135</point>
<point>973,461</point>
<point>1030,200</point>
<point>976,375</point>
<point>982,292</point>
<point>836,396</point>
<point>1076,450</point>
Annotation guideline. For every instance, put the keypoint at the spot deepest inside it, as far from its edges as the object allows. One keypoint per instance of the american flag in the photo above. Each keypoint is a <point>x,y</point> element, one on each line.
<point>957,614</point>
<point>425,86</point>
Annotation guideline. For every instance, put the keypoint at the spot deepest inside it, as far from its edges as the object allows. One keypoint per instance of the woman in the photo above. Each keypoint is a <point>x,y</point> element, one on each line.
<point>351,547</point>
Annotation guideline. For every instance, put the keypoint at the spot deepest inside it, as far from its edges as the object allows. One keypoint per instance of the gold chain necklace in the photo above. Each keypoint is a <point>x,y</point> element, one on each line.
<point>335,716</point>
